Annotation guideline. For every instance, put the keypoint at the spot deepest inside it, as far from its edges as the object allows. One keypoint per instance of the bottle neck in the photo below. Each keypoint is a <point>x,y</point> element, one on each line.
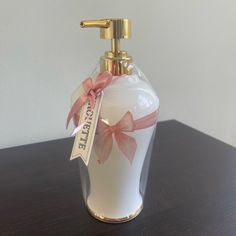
<point>115,61</point>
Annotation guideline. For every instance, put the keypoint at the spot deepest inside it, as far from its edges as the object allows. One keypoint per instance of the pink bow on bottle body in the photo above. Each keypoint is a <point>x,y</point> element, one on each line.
<point>105,133</point>
<point>92,89</point>
<point>126,143</point>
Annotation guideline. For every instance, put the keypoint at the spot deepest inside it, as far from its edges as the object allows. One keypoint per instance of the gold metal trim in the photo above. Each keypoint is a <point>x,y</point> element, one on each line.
<point>115,220</point>
<point>117,64</point>
<point>115,61</point>
<point>118,28</point>
<point>95,23</point>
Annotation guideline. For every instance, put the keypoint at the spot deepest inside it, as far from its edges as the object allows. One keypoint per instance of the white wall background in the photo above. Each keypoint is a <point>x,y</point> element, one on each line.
<point>187,48</point>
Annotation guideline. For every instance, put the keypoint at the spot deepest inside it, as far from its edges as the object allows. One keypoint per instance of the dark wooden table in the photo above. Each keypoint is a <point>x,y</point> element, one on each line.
<point>191,189</point>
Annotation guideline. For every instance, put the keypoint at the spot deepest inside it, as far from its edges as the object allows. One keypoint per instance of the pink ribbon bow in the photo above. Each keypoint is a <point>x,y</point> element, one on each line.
<point>126,143</point>
<point>91,91</point>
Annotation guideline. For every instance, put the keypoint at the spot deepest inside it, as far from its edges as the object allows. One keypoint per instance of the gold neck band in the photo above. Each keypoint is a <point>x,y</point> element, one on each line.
<point>117,63</point>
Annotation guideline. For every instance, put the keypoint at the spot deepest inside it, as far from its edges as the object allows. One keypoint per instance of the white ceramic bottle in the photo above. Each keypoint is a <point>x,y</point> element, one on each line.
<point>114,188</point>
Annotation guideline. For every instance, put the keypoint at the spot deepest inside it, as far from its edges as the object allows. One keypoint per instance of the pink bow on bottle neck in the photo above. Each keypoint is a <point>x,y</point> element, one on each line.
<point>126,143</point>
<point>91,91</point>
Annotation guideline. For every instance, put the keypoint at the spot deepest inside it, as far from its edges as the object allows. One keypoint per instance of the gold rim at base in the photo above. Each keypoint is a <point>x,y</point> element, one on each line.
<point>115,220</point>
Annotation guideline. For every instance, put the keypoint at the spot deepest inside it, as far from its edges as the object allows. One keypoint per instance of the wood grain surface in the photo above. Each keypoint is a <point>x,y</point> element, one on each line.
<point>191,189</point>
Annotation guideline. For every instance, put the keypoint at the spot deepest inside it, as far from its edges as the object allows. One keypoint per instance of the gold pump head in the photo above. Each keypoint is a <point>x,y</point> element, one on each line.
<point>115,61</point>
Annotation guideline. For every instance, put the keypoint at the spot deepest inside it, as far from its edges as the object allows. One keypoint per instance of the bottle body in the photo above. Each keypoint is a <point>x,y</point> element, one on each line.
<point>114,190</point>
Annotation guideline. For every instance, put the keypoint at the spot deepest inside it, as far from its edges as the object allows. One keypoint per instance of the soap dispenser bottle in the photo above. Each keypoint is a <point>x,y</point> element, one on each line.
<point>114,181</point>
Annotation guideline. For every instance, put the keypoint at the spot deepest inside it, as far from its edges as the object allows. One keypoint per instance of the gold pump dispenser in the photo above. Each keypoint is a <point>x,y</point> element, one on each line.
<point>115,61</point>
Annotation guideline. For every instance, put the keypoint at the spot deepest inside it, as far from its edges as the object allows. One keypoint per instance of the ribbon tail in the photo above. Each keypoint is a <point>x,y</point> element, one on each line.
<point>103,146</point>
<point>75,108</point>
<point>76,119</point>
<point>126,144</point>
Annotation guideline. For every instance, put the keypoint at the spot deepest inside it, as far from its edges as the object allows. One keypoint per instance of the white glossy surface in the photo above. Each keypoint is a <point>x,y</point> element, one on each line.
<point>114,185</point>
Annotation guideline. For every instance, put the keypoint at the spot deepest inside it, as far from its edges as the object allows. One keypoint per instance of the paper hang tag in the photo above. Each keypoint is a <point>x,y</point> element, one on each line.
<point>84,138</point>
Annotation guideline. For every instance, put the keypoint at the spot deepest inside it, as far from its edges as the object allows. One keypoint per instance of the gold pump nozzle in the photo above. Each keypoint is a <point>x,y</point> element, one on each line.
<point>115,61</point>
<point>95,23</point>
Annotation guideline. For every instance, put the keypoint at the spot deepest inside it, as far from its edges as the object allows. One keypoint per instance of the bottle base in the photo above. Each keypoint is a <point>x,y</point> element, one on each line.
<point>115,220</point>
